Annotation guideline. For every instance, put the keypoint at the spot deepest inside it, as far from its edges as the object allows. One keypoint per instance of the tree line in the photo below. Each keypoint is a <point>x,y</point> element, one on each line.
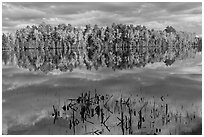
<point>45,36</point>
<point>120,46</point>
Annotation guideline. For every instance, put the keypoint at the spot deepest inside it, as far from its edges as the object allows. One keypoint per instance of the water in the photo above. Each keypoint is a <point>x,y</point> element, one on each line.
<point>30,89</point>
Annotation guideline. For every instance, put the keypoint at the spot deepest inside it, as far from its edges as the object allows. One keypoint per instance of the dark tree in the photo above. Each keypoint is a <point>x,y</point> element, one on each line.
<point>170,29</point>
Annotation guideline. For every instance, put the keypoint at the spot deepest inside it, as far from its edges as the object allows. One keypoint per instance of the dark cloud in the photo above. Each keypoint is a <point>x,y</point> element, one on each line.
<point>183,16</point>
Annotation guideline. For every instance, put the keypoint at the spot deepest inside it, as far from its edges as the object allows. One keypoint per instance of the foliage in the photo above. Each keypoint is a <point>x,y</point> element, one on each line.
<point>118,46</point>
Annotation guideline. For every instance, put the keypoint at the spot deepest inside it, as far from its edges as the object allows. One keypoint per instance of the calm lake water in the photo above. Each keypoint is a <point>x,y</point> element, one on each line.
<point>28,96</point>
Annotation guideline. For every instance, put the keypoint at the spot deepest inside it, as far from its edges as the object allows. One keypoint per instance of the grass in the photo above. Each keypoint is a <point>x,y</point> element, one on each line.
<point>124,114</point>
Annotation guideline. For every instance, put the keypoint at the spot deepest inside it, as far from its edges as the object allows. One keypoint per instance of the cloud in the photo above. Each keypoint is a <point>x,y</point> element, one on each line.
<point>26,119</point>
<point>183,15</point>
<point>14,79</point>
<point>21,13</point>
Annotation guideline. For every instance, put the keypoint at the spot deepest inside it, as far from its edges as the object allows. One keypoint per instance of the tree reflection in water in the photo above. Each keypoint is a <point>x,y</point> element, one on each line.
<point>93,58</point>
<point>132,118</point>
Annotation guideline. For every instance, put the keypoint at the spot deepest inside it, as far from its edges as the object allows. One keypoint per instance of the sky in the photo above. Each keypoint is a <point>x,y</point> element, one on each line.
<point>182,16</point>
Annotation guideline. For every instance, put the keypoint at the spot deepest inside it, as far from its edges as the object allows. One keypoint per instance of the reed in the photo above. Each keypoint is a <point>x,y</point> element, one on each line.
<point>123,115</point>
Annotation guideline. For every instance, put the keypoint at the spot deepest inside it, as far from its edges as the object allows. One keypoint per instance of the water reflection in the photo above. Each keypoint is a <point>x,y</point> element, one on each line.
<point>93,58</point>
<point>30,99</point>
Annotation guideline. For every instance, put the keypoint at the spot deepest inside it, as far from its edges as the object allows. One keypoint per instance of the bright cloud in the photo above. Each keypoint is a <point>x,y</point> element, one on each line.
<point>182,16</point>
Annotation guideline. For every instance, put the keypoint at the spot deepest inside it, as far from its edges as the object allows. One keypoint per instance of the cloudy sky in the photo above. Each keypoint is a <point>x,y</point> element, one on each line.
<point>182,16</point>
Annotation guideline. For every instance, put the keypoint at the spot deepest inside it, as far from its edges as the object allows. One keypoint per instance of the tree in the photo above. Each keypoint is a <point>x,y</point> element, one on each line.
<point>170,29</point>
<point>4,40</point>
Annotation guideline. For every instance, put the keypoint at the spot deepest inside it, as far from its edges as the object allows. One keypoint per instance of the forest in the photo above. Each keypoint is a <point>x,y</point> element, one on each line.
<point>119,46</point>
<point>45,36</point>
